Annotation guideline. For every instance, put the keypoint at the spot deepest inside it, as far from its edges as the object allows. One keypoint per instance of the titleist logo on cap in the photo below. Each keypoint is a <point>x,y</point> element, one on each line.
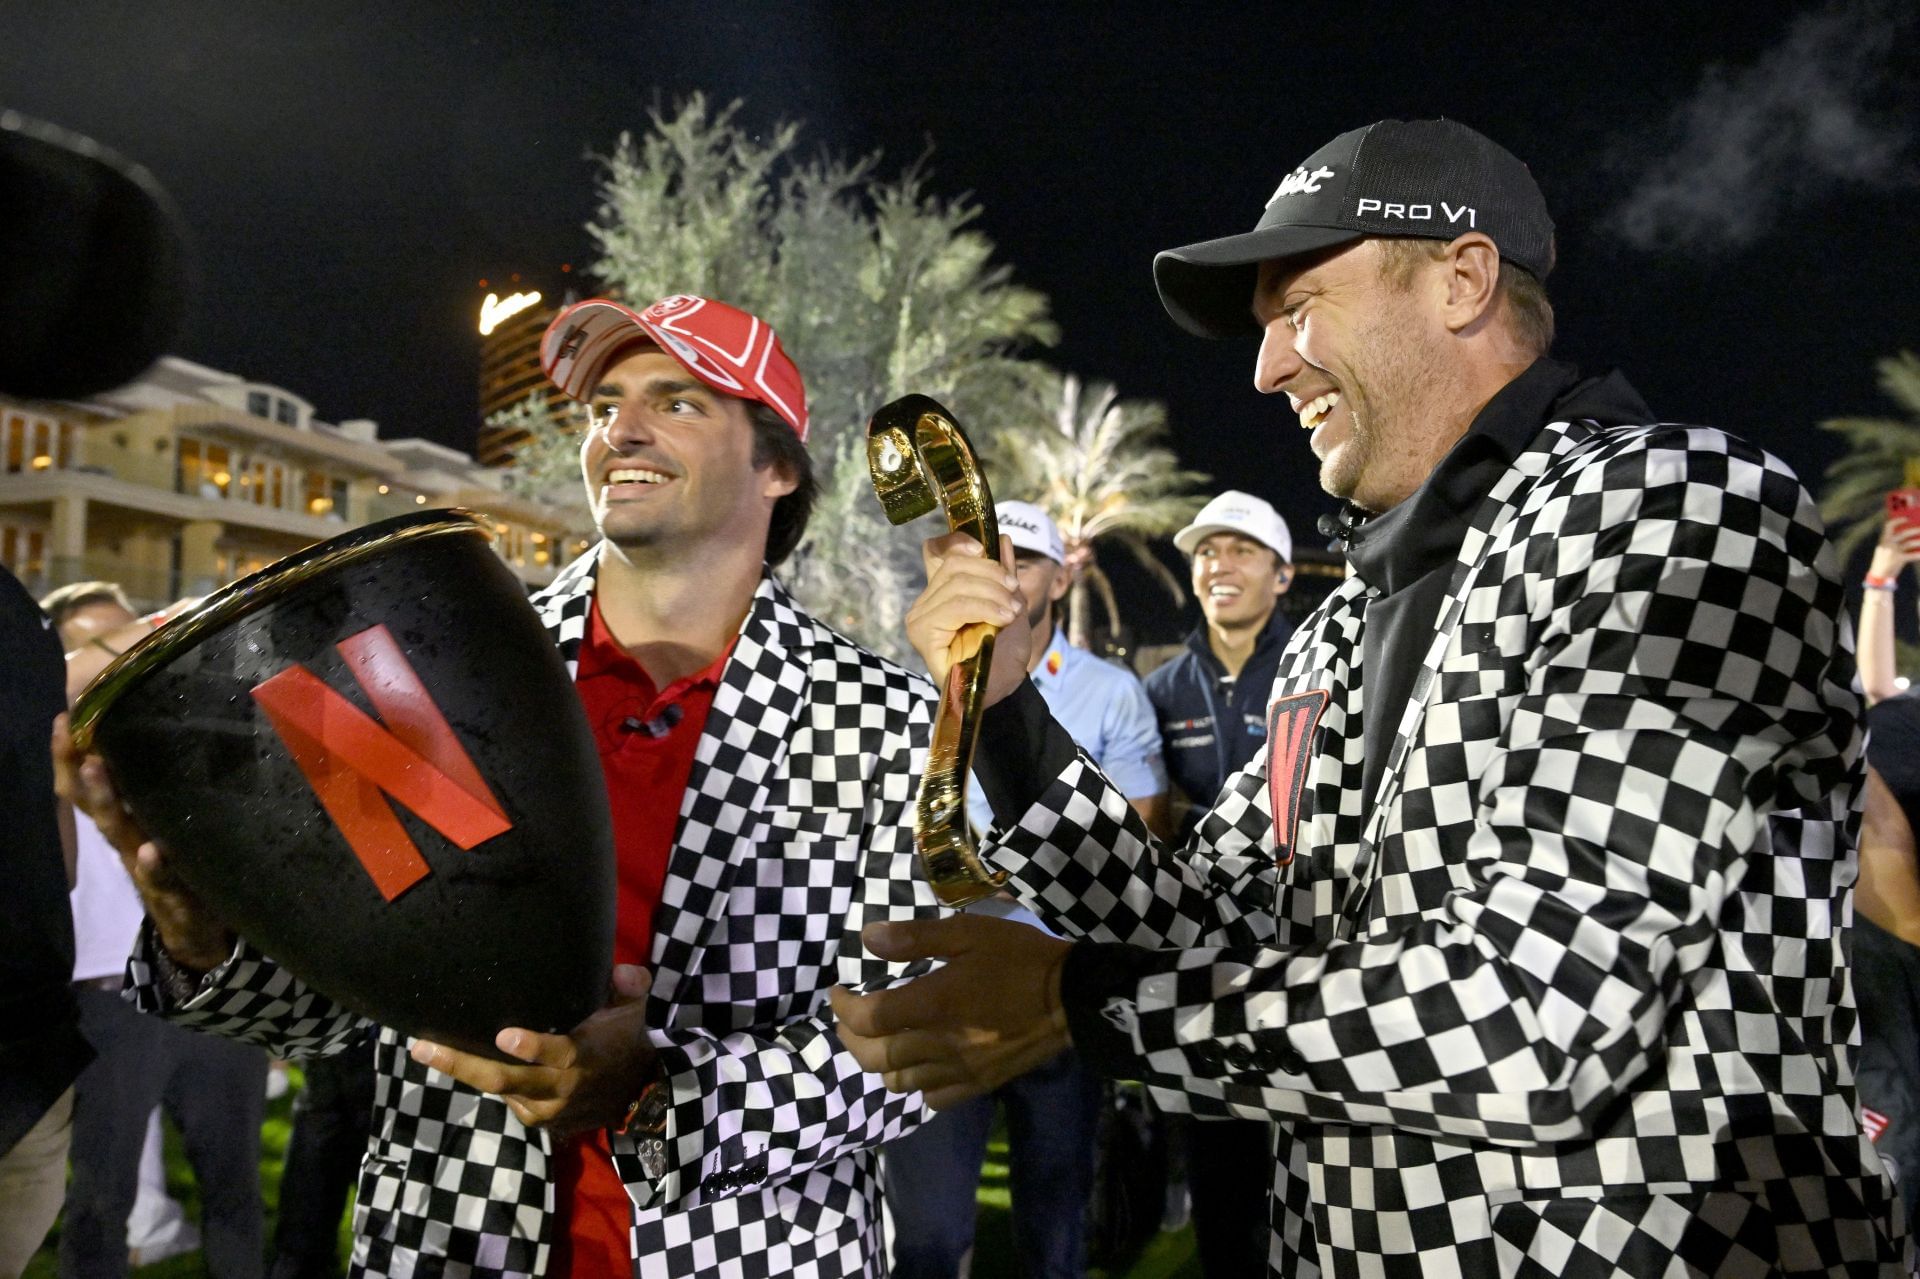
<point>1301,182</point>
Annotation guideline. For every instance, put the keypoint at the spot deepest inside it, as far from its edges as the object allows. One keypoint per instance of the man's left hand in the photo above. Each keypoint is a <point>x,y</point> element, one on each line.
<point>991,1014</point>
<point>570,1083</point>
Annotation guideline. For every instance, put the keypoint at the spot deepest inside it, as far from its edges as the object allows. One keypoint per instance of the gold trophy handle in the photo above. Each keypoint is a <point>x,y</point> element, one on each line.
<point>920,459</point>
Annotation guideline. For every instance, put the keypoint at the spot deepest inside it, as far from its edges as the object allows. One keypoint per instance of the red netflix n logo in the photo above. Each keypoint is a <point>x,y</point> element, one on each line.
<point>350,759</point>
<point>1291,722</point>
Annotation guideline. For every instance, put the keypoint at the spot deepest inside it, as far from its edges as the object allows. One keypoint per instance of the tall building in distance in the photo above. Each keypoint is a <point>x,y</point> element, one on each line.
<point>510,315</point>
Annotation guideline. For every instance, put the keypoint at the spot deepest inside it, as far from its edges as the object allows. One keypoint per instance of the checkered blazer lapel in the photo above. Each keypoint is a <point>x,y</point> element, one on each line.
<point>762,689</point>
<point>1487,530</point>
<point>724,809</point>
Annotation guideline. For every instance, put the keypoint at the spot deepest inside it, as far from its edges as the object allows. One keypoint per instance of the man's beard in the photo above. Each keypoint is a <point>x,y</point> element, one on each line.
<point>1400,374</point>
<point>1340,473</point>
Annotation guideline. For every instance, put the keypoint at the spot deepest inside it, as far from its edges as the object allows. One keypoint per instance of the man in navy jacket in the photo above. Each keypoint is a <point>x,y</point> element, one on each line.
<point>1211,700</point>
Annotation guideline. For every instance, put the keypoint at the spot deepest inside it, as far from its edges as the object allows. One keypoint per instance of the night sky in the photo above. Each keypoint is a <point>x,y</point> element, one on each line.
<point>1734,185</point>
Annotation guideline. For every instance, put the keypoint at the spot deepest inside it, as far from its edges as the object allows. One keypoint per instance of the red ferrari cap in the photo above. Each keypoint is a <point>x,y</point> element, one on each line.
<point>731,351</point>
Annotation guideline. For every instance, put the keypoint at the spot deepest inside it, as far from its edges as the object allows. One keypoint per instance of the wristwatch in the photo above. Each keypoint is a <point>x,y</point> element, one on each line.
<point>647,1116</point>
<point>646,1122</point>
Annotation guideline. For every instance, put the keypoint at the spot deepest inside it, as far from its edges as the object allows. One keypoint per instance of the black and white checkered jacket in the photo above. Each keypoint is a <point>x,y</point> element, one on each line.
<point>1568,996</point>
<point>795,832</point>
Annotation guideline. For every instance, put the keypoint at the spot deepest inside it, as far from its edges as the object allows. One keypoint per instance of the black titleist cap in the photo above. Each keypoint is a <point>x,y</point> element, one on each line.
<point>1428,179</point>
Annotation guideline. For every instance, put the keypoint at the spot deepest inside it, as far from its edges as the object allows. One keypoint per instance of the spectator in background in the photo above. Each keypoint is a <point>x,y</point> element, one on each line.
<point>213,1088</point>
<point>106,908</point>
<point>1211,703</point>
<point>42,1050</point>
<point>1886,924</point>
<point>933,1174</point>
<point>88,612</point>
<point>1211,700</point>
<point>1899,546</point>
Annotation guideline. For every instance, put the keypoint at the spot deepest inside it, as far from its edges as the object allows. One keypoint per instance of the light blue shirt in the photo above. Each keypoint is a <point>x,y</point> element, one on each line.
<point>1104,708</point>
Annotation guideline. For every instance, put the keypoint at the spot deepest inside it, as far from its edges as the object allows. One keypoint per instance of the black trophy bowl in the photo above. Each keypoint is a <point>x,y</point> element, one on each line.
<point>369,760</point>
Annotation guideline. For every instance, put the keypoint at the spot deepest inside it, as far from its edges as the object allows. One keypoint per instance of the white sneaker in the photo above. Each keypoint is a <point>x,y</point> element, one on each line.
<point>181,1237</point>
<point>1179,1207</point>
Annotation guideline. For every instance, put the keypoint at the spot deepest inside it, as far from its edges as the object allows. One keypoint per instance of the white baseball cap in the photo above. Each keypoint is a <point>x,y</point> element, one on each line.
<point>1242,513</point>
<point>1031,529</point>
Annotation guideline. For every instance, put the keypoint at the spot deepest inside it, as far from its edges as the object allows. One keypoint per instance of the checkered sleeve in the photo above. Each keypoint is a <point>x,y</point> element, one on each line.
<point>1689,676</point>
<point>249,998</point>
<point>1082,859</point>
<point>768,1104</point>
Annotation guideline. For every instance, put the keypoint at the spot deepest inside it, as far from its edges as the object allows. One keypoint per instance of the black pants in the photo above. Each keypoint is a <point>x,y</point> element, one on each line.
<point>1886,982</point>
<point>215,1092</point>
<point>332,1119</point>
<point>1229,1167</point>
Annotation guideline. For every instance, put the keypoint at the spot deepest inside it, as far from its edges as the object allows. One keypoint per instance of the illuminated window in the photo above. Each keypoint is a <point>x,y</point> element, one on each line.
<point>202,468</point>
<point>316,493</point>
<point>512,544</point>
<point>263,481</point>
<point>23,549</point>
<point>34,443</point>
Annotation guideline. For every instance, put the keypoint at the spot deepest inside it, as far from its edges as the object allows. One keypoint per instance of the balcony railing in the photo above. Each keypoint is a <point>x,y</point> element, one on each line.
<point>146,588</point>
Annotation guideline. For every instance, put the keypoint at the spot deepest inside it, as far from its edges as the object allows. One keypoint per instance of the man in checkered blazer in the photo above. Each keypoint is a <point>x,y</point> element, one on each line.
<point>1529,927</point>
<point>708,1122</point>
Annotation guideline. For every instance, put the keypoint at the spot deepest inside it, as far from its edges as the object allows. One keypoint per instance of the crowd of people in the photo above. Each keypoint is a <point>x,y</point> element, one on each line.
<point>1504,917</point>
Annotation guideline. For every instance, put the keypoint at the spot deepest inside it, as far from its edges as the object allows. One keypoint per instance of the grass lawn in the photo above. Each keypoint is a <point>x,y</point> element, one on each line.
<point>1169,1256</point>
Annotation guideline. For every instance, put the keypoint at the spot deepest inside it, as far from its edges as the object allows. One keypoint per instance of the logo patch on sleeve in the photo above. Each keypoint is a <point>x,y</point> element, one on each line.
<point>1291,722</point>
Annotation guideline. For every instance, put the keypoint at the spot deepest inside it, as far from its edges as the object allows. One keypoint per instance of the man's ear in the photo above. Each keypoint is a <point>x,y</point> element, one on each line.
<point>779,482</point>
<point>1283,577</point>
<point>1472,280</point>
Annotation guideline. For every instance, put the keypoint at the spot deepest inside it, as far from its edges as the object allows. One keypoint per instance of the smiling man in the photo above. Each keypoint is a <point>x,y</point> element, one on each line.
<point>1211,699</point>
<point>1529,925</point>
<point>761,773</point>
<point>1211,703</point>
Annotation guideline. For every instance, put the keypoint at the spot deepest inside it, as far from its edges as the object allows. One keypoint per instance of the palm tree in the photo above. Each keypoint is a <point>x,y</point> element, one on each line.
<point>1883,454</point>
<point>1101,468</point>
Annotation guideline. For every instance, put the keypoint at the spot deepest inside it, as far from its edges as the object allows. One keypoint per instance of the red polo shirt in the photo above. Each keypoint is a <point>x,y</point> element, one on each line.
<point>646,740</point>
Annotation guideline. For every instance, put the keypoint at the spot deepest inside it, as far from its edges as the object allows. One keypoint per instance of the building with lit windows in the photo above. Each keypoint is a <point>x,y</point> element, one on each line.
<point>190,477</point>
